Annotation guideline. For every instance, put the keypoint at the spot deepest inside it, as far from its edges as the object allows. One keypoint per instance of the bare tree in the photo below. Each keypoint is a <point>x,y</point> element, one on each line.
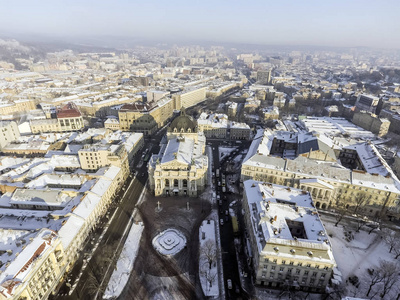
<point>361,199</point>
<point>209,275</point>
<point>208,251</point>
<point>336,292</point>
<point>373,278</point>
<point>361,221</point>
<point>390,276</point>
<point>391,238</point>
<point>383,277</point>
<point>93,285</point>
<point>340,213</point>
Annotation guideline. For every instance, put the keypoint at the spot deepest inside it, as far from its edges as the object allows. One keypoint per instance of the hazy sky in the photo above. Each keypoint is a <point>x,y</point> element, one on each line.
<point>374,23</point>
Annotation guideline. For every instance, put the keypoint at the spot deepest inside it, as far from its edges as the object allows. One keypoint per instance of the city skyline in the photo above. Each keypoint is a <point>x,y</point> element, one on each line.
<point>287,23</point>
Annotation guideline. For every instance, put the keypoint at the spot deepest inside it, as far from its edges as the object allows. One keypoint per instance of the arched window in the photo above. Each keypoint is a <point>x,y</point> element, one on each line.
<point>167,182</point>
<point>184,183</point>
<point>175,182</point>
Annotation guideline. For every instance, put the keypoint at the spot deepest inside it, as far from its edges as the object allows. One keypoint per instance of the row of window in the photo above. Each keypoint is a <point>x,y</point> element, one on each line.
<point>291,263</point>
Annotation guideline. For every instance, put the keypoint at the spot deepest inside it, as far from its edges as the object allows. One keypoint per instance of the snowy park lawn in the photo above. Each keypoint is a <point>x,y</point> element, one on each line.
<point>120,276</point>
<point>169,242</point>
<point>354,257</point>
<point>207,275</point>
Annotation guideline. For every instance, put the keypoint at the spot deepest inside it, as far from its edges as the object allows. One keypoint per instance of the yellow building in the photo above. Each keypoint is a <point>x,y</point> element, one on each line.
<point>8,133</point>
<point>68,118</point>
<point>145,118</point>
<point>37,269</point>
<point>331,185</point>
<point>189,97</point>
<point>92,157</point>
<point>289,244</point>
<point>16,107</point>
<point>181,169</point>
<point>112,124</point>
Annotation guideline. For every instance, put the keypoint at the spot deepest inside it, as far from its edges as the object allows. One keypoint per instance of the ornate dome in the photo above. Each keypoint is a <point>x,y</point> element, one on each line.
<point>183,123</point>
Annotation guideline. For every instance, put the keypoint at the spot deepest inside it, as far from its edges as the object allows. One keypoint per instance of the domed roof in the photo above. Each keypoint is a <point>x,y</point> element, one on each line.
<point>183,123</point>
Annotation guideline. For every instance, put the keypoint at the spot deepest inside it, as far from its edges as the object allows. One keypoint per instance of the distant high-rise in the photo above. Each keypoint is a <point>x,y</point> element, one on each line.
<point>264,77</point>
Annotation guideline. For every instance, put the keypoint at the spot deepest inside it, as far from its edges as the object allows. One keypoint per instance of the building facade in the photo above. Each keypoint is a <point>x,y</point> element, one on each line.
<point>68,118</point>
<point>8,133</point>
<point>181,166</point>
<point>331,185</point>
<point>289,244</point>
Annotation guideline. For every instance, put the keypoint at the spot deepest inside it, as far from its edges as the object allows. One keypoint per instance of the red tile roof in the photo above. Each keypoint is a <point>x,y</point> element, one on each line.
<point>68,111</point>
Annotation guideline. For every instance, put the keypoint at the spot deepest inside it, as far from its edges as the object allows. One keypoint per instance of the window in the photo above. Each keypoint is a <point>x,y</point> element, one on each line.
<point>305,272</point>
<point>314,274</point>
<point>281,269</point>
<point>266,260</point>
<point>264,274</point>
<point>297,271</point>
<point>308,265</point>
<point>312,280</point>
<point>291,263</point>
<point>275,261</point>
<point>273,268</point>
<point>299,264</point>
<point>317,266</point>
<point>283,262</point>
<point>326,268</point>
<point>265,266</point>
<point>290,270</point>
<point>323,275</point>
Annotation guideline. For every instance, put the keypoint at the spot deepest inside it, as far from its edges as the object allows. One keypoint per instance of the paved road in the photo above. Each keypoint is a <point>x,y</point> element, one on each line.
<point>229,260</point>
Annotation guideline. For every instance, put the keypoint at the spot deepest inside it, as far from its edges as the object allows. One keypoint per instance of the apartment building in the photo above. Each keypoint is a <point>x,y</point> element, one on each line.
<point>146,117</point>
<point>289,244</point>
<point>330,183</point>
<point>68,118</point>
<point>8,133</point>
<point>17,106</point>
<point>95,156</point>
<point>189,97</point>
<point>35,268</point>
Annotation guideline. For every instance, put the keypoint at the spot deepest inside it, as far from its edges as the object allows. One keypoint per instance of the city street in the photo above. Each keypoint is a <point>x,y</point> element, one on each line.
<point>230,263</point>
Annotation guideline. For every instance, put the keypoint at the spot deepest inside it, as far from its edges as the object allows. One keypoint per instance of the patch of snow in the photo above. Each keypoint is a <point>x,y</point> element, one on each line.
<point>207,233</point>
<point>120,276</point>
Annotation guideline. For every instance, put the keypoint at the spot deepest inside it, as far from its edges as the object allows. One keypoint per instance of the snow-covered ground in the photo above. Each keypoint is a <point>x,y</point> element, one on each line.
<point>210,286</point>
<point>169,242</point>
<point>225,151</point>
<point>354,257</point>
<point>120,276</point>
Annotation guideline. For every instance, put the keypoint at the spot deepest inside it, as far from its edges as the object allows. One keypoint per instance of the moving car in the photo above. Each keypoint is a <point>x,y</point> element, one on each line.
<point>229,283</point>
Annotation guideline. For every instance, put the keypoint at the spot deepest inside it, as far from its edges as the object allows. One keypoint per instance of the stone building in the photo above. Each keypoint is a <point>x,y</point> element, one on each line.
<point>289,244</point>
<point>332,184</point>
<point>371,122</point>
<point>181,166</point>
<point>68,118</point>
<point>8,133</point>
